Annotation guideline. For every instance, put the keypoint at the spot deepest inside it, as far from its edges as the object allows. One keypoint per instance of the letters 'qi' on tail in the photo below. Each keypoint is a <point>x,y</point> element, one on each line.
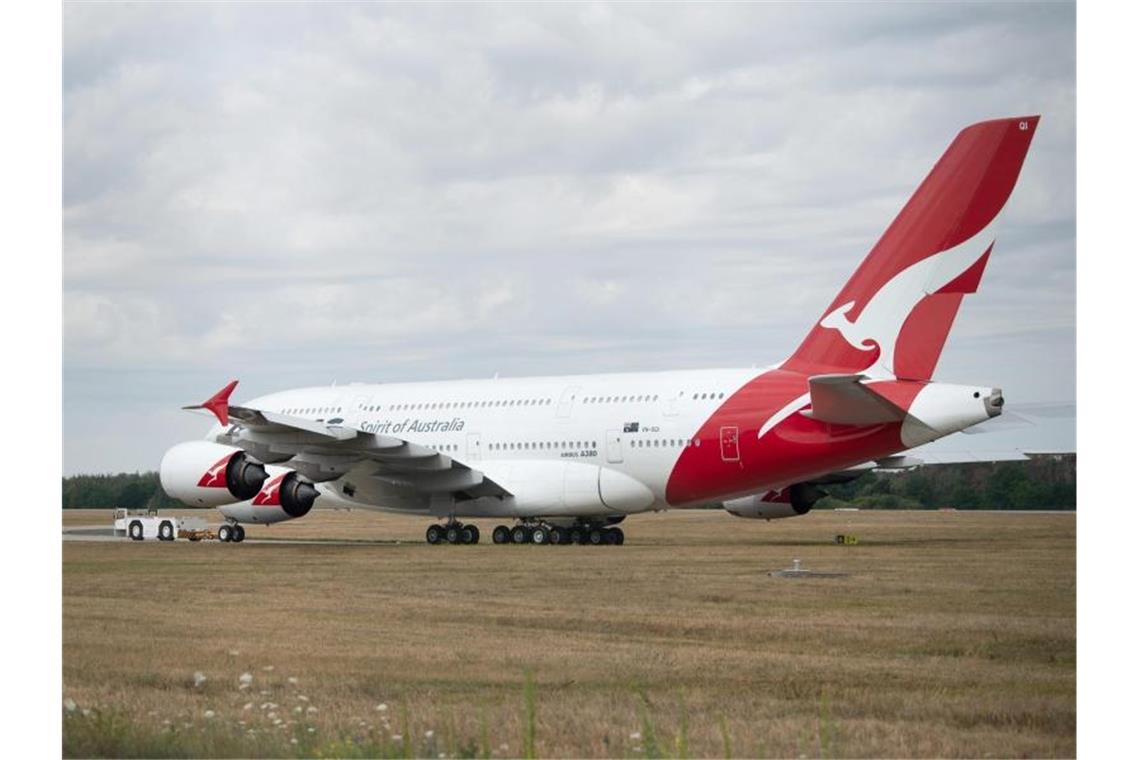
<point>893,315</point>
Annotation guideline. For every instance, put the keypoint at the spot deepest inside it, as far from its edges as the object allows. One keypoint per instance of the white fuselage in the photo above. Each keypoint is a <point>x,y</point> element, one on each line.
<point>633,423</point>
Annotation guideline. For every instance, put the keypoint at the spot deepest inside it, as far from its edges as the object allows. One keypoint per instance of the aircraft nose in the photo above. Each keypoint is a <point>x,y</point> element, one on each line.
<point>994,402</point>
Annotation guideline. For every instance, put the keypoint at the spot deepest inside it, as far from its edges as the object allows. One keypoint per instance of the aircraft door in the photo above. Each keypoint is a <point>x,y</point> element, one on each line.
<point>474,447</point>
<point>356,411</point>
<point>730,443</point>
<point>566,402</point>
<point>613,447</point>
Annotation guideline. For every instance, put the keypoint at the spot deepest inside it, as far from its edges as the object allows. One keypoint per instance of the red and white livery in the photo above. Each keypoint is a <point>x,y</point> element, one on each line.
<point>569,457</point>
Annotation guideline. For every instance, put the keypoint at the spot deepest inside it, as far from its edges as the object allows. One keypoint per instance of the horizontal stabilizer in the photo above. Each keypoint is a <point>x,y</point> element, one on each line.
<point>844,400</point>
<point>898,462</point>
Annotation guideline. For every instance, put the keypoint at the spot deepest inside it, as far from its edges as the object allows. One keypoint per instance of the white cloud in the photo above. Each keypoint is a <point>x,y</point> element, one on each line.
<point>297,192</point>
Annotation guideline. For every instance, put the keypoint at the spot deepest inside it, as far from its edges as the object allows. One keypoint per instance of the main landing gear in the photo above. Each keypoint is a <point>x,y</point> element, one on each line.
<point>453,532</point>
<point>543,533</point>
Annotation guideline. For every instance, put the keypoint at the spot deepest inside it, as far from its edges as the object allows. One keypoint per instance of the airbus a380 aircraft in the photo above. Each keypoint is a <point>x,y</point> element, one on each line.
<point>567,458</point>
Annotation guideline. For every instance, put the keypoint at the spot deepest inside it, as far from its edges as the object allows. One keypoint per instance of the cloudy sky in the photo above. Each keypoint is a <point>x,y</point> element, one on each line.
<point>303,194</point>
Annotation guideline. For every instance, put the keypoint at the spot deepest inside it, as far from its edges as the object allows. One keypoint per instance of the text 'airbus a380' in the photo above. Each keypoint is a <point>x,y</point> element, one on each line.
<point>567,458</point>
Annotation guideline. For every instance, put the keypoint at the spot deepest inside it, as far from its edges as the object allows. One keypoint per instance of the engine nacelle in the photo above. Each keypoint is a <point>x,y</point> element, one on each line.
<point>285,496</point>
<point>791,502</point>
<point>207,474</point>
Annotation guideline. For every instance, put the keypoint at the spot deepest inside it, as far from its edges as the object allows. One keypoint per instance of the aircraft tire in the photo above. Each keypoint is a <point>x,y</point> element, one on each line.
<point>454,534</point>
<point>239,534</point>
<point>540,535</point>
<point>501,534</point>
<point>596,537</point>
<point>225,534</point>
<point>434,534</point>
<point>520,535</point>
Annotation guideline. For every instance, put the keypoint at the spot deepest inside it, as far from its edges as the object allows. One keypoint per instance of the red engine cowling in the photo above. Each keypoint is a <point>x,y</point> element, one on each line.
<point>285,496</point>
<point>791,502</point>
<point>206,474</point>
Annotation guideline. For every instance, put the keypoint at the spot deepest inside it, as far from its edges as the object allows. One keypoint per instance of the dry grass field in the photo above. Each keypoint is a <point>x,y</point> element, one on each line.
<point>952,634</point>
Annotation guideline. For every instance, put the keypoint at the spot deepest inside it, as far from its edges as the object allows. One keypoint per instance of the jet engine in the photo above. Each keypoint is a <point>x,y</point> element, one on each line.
<point>285,496</point>
<point>790,502</point>
<point>206,474</point>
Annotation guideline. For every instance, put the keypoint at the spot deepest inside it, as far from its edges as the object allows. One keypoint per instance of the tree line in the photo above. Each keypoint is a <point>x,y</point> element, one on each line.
<point>1041,482</point>
<point>133,490</point>
<point>1046,481</point>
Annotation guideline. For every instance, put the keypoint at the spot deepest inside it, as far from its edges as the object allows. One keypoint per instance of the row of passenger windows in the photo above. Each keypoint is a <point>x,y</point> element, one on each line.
<point>487,404</point>
<point>637,443</point>
<point>462,404</point>
<point>654,443</point>
<point>644,397</point>
<point>540,445</point>
<point>312,410</point>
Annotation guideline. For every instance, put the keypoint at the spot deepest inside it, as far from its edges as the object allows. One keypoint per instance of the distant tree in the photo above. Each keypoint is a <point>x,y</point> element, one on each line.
<point>918,487</point>
<point>130,490</point>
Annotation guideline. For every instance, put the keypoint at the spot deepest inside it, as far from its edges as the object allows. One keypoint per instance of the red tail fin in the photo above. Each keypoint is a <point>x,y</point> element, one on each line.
<point>893,315</point>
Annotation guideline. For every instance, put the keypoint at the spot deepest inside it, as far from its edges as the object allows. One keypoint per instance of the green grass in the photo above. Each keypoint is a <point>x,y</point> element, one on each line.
<point>111,733</point>
<point>951,635</point>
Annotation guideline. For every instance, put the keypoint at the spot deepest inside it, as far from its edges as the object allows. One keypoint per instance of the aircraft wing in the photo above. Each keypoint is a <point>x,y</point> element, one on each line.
<point>329,449</point>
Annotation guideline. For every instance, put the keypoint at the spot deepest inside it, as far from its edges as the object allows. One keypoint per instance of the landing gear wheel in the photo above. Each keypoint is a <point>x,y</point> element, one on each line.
<point>520,535</point>
<point>596,537</point>
<point>134,530</point>
<point>618,536</point>
<point>239,534</point>
<point>577,536</point>
<point>454,534</point>
<point>467,534</point>
<point>166,531</point>
<point>226,533</point>
<point>559,536</point>
<point>475,533</point>
<point>540,535</point>
<point>434,534</point>
<point>501,534</point>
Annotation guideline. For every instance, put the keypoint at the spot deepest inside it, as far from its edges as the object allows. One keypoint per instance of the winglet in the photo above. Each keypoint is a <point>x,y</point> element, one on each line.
<point>219,403</point>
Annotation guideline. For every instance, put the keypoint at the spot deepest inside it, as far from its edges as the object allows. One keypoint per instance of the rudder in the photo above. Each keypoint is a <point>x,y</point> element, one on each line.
<point>893,316</point>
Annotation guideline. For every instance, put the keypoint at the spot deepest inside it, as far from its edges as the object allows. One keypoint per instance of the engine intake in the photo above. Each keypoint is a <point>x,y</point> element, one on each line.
<point>296,495</point>
<point>207,474</point>
<point>286,496</point>
<point>791,502</point>
<point>244,476</point>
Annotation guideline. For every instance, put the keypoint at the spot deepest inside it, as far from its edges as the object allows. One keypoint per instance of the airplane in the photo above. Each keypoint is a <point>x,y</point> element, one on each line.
<point>564,460</point>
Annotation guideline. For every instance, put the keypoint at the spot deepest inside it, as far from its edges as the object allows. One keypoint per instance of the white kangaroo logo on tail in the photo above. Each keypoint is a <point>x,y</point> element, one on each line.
<point>882,318</point>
